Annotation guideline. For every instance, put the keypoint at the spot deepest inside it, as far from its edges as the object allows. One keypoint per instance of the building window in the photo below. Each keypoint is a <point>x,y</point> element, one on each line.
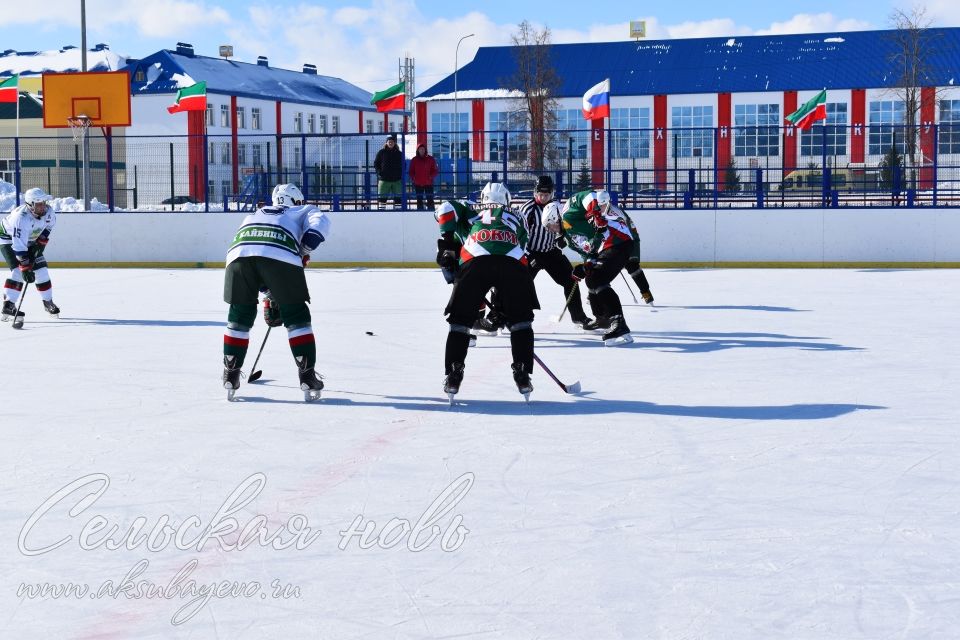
<point>393,127</point>
<point>323,124</point>
<point>949,134</point>
<point>311,123</point>
<point>255,122</point>
<point>241,155</point>
<point>886,125</point>
<point>335,123</point>
<point>835,129</point>
<point>379,126</point>
<point>573,134</point>
<point>296,158</point>
<point>139,76</point>
<point>298,122</point>
<point>224,153</point>
<point>212,189</point>
<point>630,135</point>
<point>224,115</point>
<point>212,153</point>
<point>225,185</point>
<point>756,130</point>
<point>513,124</point>
<point>255,159</point>
<point>443,134</point>
<point>241,117</point>
<point>368,128</point>
<point>210,120</point>
<point>692,129</point>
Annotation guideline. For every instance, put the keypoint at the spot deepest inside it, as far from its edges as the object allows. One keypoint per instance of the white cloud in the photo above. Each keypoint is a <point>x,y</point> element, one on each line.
<point>815,23</point>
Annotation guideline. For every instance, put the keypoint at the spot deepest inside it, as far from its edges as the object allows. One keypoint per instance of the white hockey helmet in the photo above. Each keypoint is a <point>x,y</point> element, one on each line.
<point>603,199</point>
<point>36,196</point>
<point>551,216</point>
<point>287,195</point>
<point>495,193</point>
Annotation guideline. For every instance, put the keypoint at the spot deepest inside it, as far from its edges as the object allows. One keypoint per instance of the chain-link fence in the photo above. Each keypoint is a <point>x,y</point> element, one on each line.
<point>767,166</point>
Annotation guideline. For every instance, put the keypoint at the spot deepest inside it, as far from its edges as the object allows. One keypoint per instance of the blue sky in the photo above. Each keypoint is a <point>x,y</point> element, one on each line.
<point>362,40</point>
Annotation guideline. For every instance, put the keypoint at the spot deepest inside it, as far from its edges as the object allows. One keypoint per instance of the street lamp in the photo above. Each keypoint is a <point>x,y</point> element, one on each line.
<point>456,113</point>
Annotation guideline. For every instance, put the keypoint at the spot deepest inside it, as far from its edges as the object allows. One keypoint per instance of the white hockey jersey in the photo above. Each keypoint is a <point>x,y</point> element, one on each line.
<point>280,233</point>
<point>20,228</point>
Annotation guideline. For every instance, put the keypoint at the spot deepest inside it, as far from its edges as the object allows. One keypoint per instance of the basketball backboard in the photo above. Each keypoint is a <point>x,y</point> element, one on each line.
<point>102,96</point>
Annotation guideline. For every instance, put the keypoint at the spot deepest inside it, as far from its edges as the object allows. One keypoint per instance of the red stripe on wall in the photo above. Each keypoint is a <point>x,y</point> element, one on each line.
<point>421,123</point>
<point>660,141</point>
<point>196,127</point>
<point>234,156</point>
<point>386,122</point>
<point>596,151</point>
<point>360,122</point>
<point>928,102</point>
<point>724,114</point>
<point>858,120</point>
<point>477,124</point>
<point>789,141</point>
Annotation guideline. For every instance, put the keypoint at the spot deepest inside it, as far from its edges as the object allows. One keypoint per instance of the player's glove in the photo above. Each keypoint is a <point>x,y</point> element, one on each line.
<point>271,312</point>
<point>579,272</point>
<point>447,255</point>
<point>561,242</point>
<point>26,269</point>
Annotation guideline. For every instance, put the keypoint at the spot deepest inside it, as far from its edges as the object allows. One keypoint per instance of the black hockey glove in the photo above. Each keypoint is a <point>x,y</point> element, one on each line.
<point>447,254</point>
<point>271,312</point>
<point>579,272</point>
<point>561,242</point>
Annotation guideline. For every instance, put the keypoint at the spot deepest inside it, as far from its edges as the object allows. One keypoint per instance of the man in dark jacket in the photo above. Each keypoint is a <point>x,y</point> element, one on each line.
<point>389,167</point>
<point>423,171</point>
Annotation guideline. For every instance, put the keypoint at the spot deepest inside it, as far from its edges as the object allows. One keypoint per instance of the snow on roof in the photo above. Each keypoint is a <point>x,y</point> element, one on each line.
<point>478,94</point>
<point>31,63</point>
<point>166,71</point>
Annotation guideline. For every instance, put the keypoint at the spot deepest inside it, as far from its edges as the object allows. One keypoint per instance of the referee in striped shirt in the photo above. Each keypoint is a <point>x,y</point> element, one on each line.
<point>544,252</point>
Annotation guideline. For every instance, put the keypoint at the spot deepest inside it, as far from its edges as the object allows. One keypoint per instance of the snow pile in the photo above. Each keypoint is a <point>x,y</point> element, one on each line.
<point>8,196</point>
<point>66,59</point>
<point>72,204</point>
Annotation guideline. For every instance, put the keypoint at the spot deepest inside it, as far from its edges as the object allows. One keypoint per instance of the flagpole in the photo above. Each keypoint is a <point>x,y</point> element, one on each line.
<point>18,106</point>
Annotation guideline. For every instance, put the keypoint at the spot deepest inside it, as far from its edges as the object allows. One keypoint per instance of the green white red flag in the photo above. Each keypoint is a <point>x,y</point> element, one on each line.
<point>192,98</point>
<point>812,110</point>
<point>390,99</point>
<point>9,89</point>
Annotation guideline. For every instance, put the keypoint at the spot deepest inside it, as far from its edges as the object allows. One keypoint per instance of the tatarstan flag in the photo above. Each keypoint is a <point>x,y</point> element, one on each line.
<point>9,89</point>
<point>812,110</point>
<point>192,98</point>
<point>389,99</point>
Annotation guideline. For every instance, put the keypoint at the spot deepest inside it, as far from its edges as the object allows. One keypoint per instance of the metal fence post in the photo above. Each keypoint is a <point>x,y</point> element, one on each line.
<point>936,160</point>
<point>303,165</point>
<point>17,177</point>
<point>172,184</point>
<point>504,154</point>
<point>759,178</point>
<point>206,171</point>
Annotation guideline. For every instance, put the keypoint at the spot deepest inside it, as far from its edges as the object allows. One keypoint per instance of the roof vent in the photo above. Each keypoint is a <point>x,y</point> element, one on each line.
<point>262,61</point>
<point>310,69</point>
<point>185,49</point>
<point>101,46</point>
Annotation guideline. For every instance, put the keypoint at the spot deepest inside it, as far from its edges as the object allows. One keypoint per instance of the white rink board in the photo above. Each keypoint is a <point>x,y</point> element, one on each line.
<point>668,236</point>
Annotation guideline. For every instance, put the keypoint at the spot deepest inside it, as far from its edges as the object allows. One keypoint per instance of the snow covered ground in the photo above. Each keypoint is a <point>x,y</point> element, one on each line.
<point>776,456</point>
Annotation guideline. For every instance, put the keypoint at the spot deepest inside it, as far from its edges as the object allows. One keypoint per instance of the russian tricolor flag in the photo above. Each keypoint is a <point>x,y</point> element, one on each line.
<point>596,101</point>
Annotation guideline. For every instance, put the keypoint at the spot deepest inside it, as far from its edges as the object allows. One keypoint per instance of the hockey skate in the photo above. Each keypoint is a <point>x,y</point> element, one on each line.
<point>51,308</point>
<point>583,323</point>
<point>9,310</point>
<point>647,297</point>
<point>451,383</point>
<point>231,376</point>
<point>310,382</point>
<point>473,340</point>
<point>522,377</point>
<point>599,325</point>
<point>619,333</point>
<point>489,325</point>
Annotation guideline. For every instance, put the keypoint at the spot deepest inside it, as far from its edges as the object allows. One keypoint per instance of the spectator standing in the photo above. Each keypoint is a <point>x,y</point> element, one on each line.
<point>389,167</point>
<point>423,171</point>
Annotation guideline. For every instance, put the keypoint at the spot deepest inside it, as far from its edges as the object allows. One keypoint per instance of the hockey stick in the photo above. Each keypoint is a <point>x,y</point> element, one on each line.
<point>254,374</point>
<point>16,314</point>
<point>573,292</point>
<point>567,388</point>
<point>629,288</point>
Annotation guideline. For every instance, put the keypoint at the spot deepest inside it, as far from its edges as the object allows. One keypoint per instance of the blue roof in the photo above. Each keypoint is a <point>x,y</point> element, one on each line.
<point>247,80</point>
<point>843,60</point>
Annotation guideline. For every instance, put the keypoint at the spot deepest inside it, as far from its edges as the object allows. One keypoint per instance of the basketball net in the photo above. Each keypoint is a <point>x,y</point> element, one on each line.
<point>78,126</point>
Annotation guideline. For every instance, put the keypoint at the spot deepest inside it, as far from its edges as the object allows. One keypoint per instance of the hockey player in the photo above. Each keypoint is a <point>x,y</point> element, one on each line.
<point>544,249</point>
<point>605,242</point>
<point>492,255</point>
<point>633,262</point>
<point>268,252</point>
<point>24,234</point>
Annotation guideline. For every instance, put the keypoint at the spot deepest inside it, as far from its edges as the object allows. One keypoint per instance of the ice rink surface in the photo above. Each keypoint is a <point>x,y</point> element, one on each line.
<point>776,456</point>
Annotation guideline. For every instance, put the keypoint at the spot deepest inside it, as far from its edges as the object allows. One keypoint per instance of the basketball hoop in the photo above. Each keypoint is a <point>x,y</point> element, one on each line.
<point>78,126</point>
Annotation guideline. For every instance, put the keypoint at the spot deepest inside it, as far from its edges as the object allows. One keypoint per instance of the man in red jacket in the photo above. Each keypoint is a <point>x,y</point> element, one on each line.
<point>423,171</point>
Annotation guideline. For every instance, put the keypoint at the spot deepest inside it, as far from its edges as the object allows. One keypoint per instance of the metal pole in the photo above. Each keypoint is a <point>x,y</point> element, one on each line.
<point>456,114</point>
<point>86,138</point>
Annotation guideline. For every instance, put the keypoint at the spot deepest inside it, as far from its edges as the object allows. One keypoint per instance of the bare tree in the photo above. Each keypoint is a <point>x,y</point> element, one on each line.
<point>915,45</point>
<point>536,83</point>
